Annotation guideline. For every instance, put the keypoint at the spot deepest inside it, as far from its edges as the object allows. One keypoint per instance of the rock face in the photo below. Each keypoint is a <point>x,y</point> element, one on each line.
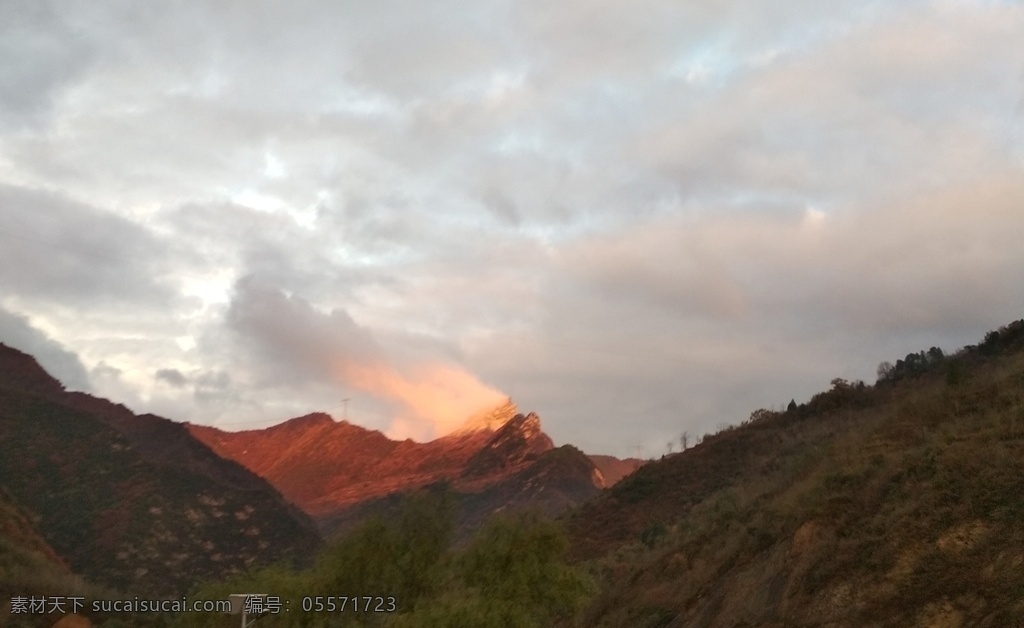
<point>134,502</point>
<point>490,420</point>
<point>340,473</point>
<point>557,480</point>
<point>516,444</point>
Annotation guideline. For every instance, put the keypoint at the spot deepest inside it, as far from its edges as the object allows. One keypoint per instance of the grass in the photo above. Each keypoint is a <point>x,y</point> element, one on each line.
<point>890,505</point>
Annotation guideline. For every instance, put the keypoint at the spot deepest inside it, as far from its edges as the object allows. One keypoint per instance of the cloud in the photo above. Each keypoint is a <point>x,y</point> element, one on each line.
<point>669,265</point>
<point>40,56</point>
<point>215,387</point>
<point>635,322</point>
<point>54,248</point>
<point>171,377</point>
<point>17,331</point>
<point>632,218</point>
<point>296,344</point>
<point>295,341</point>
<point>900,263</point>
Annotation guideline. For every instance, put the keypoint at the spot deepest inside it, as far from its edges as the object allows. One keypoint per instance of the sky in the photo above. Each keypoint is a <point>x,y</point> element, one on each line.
<point>633,218</point>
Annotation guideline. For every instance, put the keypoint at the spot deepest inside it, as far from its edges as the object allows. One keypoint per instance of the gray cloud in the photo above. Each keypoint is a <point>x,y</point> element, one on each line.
<point>52,247</point>
<point>695,322</point>
<point>40,56</point>
<point>172,377</point>
<point>291,339</point>
<point>295,345</point>
<point>635,219</point>
<point>215,387</point>
<point>16,331</point>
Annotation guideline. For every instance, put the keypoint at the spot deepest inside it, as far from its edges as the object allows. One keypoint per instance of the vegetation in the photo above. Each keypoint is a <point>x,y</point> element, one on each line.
<point>29,567</point>
<point>124,520</point>
<point>893,504</point>
<point>897,504</point>
<point>512,573</point>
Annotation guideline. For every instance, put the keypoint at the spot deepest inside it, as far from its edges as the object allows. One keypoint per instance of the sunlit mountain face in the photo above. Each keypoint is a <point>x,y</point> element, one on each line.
<point>332,469</point>
<point>322,464</point>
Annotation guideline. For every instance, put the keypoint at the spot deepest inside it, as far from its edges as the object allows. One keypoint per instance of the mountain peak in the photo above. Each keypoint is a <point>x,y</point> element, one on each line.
<point>527,426</point>
<point>516,443</point>
<point>490,420</point>
<point>309,420</point>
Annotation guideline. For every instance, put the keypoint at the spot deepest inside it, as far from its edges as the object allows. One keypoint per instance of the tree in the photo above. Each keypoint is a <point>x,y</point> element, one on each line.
<point>792,406</point>
<point>884,371</point>
<point>402,554</point>
<point>519,563</point>
<point>760,414</point>
<point>684,440</point>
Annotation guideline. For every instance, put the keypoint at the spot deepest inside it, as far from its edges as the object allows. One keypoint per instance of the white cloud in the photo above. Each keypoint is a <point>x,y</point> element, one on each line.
<point>635,218</point>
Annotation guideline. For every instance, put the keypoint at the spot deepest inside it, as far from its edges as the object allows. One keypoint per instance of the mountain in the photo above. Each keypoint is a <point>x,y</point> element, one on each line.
<point>897,504</point>
<point>339,472</point>
<point>514,445</point>
<point>615,469</point>
<point>28,565</point>
<point>322,465</point>
<point>133,502</point>
<point>556,481</point>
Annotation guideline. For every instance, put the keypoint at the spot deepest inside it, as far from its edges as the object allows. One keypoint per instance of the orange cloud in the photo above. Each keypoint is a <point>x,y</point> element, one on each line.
<point>433,398</point>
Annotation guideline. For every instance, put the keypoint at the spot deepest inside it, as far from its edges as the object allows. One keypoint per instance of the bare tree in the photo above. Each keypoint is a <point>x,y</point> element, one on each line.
<point>684,440</point>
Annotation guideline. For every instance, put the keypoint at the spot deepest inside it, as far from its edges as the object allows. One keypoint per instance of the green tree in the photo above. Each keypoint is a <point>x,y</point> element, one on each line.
<point>513,575</point>
<point>402,557</point>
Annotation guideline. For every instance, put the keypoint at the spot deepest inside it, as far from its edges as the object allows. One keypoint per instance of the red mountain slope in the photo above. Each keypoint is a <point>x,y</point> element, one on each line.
<point>323,465</point>
<point>327,467</point>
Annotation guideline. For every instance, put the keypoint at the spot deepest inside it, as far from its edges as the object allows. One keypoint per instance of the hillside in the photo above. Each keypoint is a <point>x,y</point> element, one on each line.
<point>28,565</point>
<point>340,472</point>
<point>897,504</point>
<point>324,465</point>
<point>557,481</point>
<point>132,502</point>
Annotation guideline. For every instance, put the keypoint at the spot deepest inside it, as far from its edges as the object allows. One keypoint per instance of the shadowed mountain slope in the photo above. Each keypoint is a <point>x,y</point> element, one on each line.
<point>897,504</point>
<point>555,481</point>
<point>133,502</point>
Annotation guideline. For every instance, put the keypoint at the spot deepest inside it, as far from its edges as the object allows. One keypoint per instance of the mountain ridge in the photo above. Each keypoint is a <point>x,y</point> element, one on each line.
<point>330,467</point>
<point>893,504</point>
<point>131,501</point>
